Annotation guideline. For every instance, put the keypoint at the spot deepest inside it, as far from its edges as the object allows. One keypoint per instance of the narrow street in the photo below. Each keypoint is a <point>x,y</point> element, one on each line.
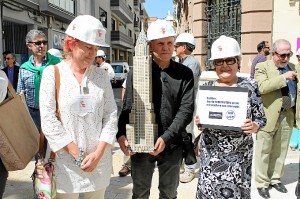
<point>19,184</point>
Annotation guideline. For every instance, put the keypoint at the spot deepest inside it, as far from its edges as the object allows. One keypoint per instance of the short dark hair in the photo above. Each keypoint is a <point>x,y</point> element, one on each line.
<point>6,52</point>
<point>261,46</point>
<point>189,46</point>
<point>13,55</point>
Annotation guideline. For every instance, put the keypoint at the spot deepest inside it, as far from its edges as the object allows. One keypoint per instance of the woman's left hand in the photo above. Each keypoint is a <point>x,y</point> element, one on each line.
<point>90,162</point>
<point>249,126</point>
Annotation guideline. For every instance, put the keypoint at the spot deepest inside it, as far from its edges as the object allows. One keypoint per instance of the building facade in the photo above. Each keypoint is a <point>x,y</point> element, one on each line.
<point>250,22</point>
<point>18,17</point>
<point>123,21</point>
<point>121,18</point>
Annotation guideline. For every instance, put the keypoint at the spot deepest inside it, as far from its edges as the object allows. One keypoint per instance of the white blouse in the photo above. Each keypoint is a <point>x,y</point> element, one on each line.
<point>85,130</point>
<point>3,85</point>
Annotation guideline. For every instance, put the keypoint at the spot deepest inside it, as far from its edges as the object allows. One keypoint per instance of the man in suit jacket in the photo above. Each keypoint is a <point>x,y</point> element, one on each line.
<point>12,71</point>
<point>277,84</point>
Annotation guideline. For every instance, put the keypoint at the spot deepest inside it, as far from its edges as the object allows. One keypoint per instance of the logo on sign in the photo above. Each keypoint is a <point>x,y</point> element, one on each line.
<point>82,104</point>
<point>230,115</point>
<point>215,115</point>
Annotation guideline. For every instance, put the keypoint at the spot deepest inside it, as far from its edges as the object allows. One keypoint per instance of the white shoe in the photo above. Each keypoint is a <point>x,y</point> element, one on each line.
<point>181,170</point>
<point>187,176</point>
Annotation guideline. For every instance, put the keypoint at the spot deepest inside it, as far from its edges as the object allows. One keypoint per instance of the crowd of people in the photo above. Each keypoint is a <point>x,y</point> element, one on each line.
<point>83,134</point>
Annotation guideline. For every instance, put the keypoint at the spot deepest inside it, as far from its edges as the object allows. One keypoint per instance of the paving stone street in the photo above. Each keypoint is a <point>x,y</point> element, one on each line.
<point>19,185</point>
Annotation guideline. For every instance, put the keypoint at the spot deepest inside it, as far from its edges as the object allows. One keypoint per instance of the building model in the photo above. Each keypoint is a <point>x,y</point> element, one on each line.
<point>142,130</point>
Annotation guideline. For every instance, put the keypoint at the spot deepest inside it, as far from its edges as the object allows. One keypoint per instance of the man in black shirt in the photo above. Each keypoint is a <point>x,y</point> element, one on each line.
<point>173,99</point>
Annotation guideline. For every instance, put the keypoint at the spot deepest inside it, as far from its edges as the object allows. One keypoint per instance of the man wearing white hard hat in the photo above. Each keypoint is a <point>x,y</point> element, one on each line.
<point>173,99</point>
<point>55,52</point>
<point>83,136</point>
<point>184,46</point>
<point>100,62</point>
<point>278,86</point>
<point>298,55</point>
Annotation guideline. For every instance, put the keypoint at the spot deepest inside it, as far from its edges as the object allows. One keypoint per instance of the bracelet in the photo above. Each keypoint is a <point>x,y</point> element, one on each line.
<point>80,158</point>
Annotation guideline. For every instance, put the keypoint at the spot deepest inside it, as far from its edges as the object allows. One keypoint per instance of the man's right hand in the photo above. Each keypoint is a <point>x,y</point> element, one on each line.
<point>290,75</point>
<point>124,145</point>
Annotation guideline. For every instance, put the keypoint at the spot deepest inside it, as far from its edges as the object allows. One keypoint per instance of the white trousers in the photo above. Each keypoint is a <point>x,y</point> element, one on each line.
<point>99,194</point>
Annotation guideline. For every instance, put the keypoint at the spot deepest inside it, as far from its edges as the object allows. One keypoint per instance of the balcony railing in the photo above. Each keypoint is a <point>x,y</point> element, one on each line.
<point>61,9</point>
<point>142,14</point>
<point>120,39</point>
<point>136,25</point>
<point>67,5</point>
<point>136,4</point>
<point>120,8</point>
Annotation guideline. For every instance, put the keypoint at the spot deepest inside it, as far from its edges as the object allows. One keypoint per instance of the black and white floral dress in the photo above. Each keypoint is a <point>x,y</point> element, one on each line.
<point>226,156</point>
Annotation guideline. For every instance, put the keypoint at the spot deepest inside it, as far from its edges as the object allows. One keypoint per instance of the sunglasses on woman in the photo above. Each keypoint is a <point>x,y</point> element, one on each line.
<point>228,61</point>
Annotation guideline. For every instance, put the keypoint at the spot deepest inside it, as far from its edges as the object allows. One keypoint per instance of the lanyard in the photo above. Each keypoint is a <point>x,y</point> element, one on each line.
<point>84,89</point>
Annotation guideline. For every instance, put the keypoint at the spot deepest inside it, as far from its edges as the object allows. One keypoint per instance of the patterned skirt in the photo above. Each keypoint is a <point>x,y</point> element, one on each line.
<point>225,165</point>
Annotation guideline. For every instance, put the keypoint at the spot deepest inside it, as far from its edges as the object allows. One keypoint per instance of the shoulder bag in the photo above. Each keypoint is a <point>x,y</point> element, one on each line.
<point>19,137</point>
<point>188,149</point>
<point>44,183</point>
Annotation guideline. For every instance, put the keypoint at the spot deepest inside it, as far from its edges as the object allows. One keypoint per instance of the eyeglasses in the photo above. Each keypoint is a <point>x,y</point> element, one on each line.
<point>228,61</point>
<point>38,43</point>
<point>176,46</point>
<point>267,47</point>
<point>283,56</point>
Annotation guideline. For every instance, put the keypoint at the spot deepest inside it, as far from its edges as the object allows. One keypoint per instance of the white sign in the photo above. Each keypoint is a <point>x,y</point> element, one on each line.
<point>222,107</point>
<point>58,38</point>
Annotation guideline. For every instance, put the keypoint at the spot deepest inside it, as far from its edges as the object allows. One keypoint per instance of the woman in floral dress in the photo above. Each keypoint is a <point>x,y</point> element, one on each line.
<point>226,155</point>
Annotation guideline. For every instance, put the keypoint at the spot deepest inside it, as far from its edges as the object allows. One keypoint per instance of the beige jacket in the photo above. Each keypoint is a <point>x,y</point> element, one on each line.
<point>270,84</point>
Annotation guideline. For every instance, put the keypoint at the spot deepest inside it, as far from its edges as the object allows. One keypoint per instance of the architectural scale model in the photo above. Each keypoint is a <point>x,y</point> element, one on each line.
<point>142,130</point>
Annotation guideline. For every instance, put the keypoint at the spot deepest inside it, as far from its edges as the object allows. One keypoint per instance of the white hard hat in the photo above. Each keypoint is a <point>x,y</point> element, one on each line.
<point>55,52</point>
<point>100,53</point>
<point>185,38</point>
<point>88,29</point>
<point>174,54</point>
<point>225,47</point>
<point>160,29</point>
<point>298,51</point>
